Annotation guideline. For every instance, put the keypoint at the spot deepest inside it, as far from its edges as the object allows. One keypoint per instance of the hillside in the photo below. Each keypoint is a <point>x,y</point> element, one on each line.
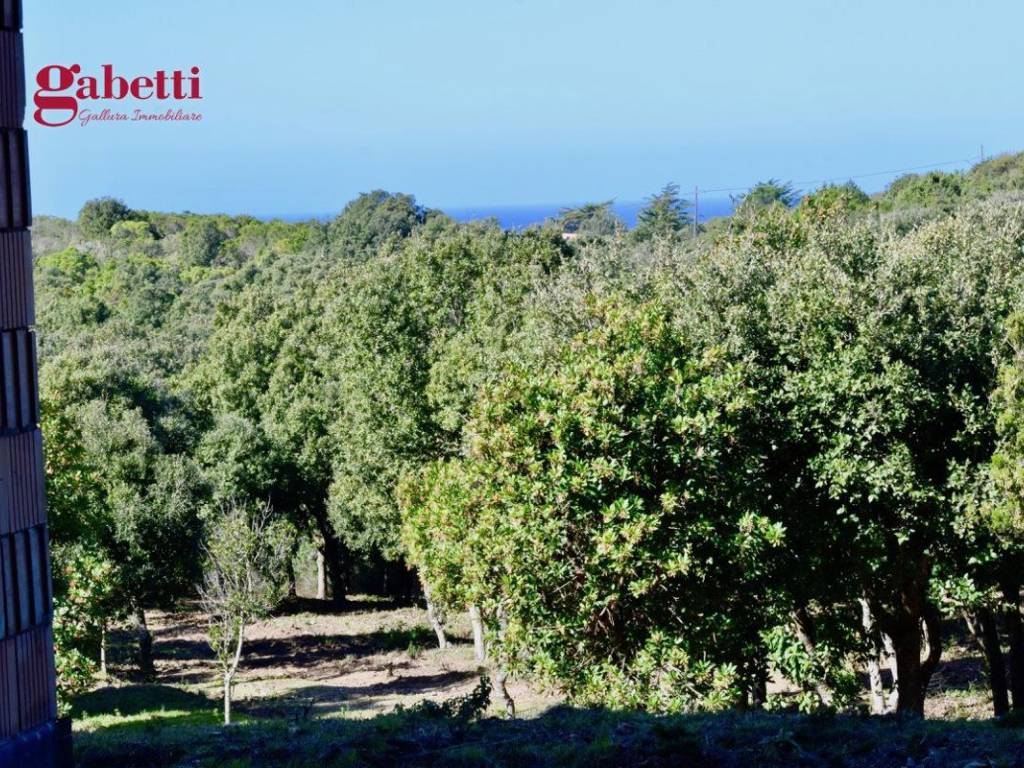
<point>645,481</point>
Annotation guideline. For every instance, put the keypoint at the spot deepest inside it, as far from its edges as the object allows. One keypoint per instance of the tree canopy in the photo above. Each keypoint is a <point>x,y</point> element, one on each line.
<point>661,467</point>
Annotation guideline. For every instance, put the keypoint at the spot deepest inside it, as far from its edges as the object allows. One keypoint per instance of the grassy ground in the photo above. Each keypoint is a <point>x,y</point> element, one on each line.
<point>562,736</point>
<point>321,689</point>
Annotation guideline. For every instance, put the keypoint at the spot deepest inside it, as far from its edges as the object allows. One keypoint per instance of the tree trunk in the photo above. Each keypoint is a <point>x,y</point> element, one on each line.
<point>877,690</point>
<point>759,688</point>
<point>806,634</point>
<point>229,672</point>
<point>1015,636</point>
<point>982,625</point>
<point>321,575</point>
<point>743,702</point>
<point>335,555</point>
<point>878,705</point>
<point>145,657</point>
<point>479,646</point>
<point>103,649</point>
<point>890,661</point>
<point>912,624</point>
<point>501,672</point>
<point>913,673</point>
<point>289,564</point>
<point>911,685</point>
<point>932,626</point>
<point>434,617</point>
<point>501,684</point>
<point>227,700</point>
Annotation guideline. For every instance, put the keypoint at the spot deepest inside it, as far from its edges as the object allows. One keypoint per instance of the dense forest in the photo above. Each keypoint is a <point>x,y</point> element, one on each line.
<point>658,465</point>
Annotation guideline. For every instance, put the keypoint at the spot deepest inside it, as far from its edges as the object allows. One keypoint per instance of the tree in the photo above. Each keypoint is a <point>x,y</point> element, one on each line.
<point>665,216</point>
<point>85,586</point>
<point>1002,525</point>
<point>372,219</point>
<point>201,241</point>
<point>834,200</point>
<point>604,499</point>
<point>862,339</point>
<point>1002,173</point>
<point>935,190</point>
<point>244,574</point>
<point>98,216</point>
<point>259,378</point>
<point>407,342</point>
<point>393,389</point>
<point>859,336</point>
<point>590,220</point>
<point>132,233</point>
<point>765,194</point>
<point>120,488</point>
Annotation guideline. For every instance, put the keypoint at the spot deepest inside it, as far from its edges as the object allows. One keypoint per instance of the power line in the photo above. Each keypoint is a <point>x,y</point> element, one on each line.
<point>853,176</point>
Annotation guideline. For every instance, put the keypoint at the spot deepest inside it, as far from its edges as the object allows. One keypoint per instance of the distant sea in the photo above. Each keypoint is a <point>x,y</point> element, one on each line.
<point>522,216</point>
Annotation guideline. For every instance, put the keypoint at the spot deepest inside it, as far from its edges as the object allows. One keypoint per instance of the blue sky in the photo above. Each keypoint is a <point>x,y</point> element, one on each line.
<point>523,101</point>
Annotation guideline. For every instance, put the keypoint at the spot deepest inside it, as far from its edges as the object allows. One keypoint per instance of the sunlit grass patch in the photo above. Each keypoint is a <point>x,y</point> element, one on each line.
<point>142,707</point>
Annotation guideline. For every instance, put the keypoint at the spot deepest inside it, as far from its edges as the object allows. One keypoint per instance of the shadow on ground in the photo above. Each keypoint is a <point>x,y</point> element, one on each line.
<point>137,699</point>
<point>313,650</point>
<point>135,709</point>
<point>308,701</point>
<point>301,653</point>
<point>563,736</point>
<point>294,604</point>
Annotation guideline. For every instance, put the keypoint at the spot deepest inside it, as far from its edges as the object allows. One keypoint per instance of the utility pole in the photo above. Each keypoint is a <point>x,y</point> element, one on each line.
<point>696,208</point>
<point>982,154</point>
<point>30,734</point>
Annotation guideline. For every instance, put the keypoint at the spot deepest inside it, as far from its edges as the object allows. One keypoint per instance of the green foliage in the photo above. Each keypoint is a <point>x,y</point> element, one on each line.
<point>765,194</point>
<point>120,484</point>
<point>201,241</point>
<point>371,220</point>
<point>85,588</point>
<point>930,194</point>
<point>98,216</point>
<point>70,265</point>
<point>406,342</point>
<point>462,710</point>
<point>828,664</point>
<point>590,220</point>
<point>665,216</point>
<point>1007,517</point>
<point>864,337</point>
<point>991,499</point>
<point>642,453</point>
<point>243,572</point>
<point>261,391</point>
<point>121,490</point>
<point>1002,173</point>
<point>243,580</point>
<point>943,191</point>
<point>834,200</point>
<point>797,313</point>
<point>604,499</point>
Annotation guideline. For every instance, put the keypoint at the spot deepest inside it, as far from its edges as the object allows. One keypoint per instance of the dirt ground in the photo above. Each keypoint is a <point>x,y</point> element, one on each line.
<point>315,660</point>
<point>313,678</point>
<point>310,661</point>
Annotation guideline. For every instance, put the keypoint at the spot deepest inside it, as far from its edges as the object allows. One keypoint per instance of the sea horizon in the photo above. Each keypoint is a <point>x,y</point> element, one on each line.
<point>521,216</point>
